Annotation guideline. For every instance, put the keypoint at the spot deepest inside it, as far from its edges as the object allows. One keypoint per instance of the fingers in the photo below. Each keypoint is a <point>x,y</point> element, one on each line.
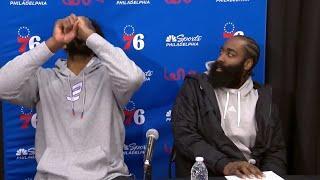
<point>59,26</point>
<point>255,171</point>
<point>85,21</point>
<point>73,18</point>
<point>245,171</point>
<point>59,22</point>
<point>239,174</point>
<point>83,18</point>
<point>75,26</point>
<point>66,26</point>
<point>85,28</point>
<point>68,23</point>
<point>251,171</point>
<point>65,29</point>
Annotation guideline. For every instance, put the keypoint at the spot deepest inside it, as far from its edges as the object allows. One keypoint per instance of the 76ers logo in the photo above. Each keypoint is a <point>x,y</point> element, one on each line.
<point>229,30</point>
<point>27,117</point>
<point>133,114</point>
<point>25,39</point>
<point>131,38</point>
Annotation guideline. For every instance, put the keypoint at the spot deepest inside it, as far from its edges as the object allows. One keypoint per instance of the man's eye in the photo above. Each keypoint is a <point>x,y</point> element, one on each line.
<point>230,54</point>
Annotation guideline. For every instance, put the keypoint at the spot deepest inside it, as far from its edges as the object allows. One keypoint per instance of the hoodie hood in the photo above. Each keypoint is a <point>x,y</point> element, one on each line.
<point>208,66</point>
<point>62,69</point>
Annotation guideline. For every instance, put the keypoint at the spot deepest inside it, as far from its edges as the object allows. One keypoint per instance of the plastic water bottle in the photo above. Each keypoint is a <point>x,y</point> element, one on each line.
<point>199,170</point>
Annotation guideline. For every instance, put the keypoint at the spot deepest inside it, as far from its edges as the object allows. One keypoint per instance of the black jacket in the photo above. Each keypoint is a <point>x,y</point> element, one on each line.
<point>197,131</point>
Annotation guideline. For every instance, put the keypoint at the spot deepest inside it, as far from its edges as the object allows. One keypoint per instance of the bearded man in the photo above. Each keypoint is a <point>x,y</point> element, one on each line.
<point>225,117</point>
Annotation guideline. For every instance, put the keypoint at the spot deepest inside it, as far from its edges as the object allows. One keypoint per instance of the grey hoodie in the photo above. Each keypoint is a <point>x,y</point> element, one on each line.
<point>80,132</point>
<point>237,109</point>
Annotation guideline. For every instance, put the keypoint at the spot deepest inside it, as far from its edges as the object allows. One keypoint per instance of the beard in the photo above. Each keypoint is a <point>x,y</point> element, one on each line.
<point>228,77</point>
<point>78,47</point>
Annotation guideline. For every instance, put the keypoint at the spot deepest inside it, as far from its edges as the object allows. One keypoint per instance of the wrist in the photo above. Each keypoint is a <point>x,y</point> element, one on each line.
<point>226,170</point>
<point>221,165</point>
<point>54,45</point>
<point>88,34</point>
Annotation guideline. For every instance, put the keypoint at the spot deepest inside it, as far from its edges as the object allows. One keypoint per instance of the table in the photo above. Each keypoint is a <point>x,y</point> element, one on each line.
<point>287,177</point>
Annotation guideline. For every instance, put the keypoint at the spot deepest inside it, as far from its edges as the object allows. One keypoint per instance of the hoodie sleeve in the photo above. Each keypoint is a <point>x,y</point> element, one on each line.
<point>187,139</point>
<point>18,79</point>
<point>126,76</point>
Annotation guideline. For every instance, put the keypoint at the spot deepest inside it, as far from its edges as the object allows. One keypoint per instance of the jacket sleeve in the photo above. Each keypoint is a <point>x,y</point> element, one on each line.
<point>274,159</point>
<point>188,140</point>
<point>126,76</point>
<point>18,79</point>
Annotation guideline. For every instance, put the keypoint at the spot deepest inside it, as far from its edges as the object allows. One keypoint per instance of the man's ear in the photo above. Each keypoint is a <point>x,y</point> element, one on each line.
<point>248,64</point>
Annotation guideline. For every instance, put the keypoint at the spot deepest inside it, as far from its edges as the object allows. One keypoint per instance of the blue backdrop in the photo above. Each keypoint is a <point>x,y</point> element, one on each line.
<point>166,38</point>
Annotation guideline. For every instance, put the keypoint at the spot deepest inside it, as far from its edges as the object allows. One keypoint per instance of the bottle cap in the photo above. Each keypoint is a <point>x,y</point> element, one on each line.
<point>199,159</point>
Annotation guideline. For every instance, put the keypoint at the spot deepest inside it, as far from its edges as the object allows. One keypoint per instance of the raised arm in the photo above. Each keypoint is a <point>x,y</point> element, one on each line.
<point>126,76</point>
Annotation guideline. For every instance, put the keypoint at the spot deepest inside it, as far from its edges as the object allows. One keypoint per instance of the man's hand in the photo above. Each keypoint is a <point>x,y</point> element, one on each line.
<point>85,28</point>
<point>242,169</point>
<point>65,30</point>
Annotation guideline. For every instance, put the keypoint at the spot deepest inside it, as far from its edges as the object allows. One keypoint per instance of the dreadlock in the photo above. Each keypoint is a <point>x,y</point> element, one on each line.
<point>252,49</point>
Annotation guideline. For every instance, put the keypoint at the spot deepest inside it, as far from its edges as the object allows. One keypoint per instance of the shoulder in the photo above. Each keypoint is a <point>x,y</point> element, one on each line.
<point>268,94</point>
<point>265,89</point>
<point>195,78</point>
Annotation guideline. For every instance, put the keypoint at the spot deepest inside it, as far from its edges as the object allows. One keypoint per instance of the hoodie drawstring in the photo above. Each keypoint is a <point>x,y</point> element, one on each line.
<point>71,95</point>
<point>85,94</point>
<point>239,106</point>
<point>83,99</point>
<point>226,106</point>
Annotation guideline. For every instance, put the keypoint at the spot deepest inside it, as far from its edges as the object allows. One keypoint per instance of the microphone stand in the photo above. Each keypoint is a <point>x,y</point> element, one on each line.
<point>147,170</point>
<point>152,135</point>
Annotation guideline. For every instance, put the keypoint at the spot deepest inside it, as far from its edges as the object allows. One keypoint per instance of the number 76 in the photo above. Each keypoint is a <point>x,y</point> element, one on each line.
<point>32,42</point>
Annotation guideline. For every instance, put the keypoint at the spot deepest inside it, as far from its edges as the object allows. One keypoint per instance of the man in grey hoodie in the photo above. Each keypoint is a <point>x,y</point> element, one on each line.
<point>225,117</point>
<point>80,132</point>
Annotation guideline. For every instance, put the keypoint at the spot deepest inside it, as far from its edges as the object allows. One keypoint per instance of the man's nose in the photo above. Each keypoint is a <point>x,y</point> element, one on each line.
<point>220,59</point>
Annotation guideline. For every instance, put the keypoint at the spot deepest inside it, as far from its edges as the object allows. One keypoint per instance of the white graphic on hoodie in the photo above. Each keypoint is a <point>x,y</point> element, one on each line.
<point>75,92</point>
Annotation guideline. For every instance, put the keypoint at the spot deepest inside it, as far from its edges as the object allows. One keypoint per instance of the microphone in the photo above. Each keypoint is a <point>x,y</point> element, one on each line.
<point>152,135</point>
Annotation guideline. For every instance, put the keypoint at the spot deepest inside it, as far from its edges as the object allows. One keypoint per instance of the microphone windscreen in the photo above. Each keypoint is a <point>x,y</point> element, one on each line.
<point>152,132</point>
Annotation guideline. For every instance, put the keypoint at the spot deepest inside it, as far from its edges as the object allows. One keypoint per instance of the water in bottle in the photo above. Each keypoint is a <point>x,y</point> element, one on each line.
<point>199,170</point>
